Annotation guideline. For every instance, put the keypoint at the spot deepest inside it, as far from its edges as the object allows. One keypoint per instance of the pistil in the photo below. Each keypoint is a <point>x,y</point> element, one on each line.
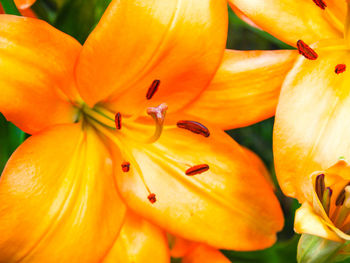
<point>158,114</point>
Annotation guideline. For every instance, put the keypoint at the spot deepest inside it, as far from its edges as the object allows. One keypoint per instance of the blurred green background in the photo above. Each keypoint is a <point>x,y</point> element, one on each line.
<point>79,17</point>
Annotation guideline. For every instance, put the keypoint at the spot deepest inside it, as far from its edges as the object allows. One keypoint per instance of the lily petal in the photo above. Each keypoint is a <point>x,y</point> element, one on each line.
<point>258,163</point>
<point>309,133</point>
<point>205,254</point>
<point>180,43</point>
<point>245,89</point>
<point>231,197</point>
<point>308,222</point>
<point>35,72</point>
<point>138,242</point>
<point>57,198</point>
<point>24,4</point>
<point>288,20</point>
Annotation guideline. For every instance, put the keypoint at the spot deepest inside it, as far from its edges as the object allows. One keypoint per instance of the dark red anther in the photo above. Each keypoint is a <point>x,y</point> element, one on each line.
<point>306,51</point>
<point>152,198</point>
<point>320,186</point>
<point>320,3</point>
<point>118,121</point>
<point>194,127</point>
<point>340,68</point>
<point>126,167</point>
<point>341,196</point>
<point>153,89</point>
<point>197,169</point>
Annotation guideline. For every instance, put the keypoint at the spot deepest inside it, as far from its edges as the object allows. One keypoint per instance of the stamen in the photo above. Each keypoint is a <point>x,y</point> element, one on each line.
<point>118,121</point>
<point>125,167</point>
<point>320,3</point>
<point>320,186</point>
<point>345,208</point>
<point>340,68</point>
<point>306,50</point>
<point>194,127</point>
<point>197,169</point>
<point>158,114</point>
<point>326,200</point>
<point>152,198</point>
<point>153,89</point>
<point>341,197</point>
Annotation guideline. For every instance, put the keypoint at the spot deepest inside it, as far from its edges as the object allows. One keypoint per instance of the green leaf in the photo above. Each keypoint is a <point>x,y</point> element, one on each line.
<point>78,18</point>
<point>281,252</point>
<point>10,7</point>
<point>10,138</point>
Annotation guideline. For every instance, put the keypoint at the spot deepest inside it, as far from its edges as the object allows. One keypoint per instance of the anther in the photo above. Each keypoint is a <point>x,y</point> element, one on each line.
<point>152,198</point>
<point>197,169</point>
<point>340,68</point>
<point>320,3</point>
<point>125,167</point>
<point>341,197</point>
<point>152,89</point>
<point>320,186</point>
<point>306,50</point>
<point>194,127</point>
<point>118,121</point>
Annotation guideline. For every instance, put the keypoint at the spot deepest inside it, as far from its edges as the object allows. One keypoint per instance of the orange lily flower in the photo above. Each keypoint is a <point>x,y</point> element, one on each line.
<point>310,129</point>
<point>92,140</point>
<point>326,213</point>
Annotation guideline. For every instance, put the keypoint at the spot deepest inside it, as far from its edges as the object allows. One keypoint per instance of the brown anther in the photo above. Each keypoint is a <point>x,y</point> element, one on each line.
<point>320,3</point>
<point>340,68</point>
<point>126,167</point>
<point>152,89</point>
<point>320,186</point>
<point>118,121</point>
<point>341,197</point>
<point>194,127</point>
<point>152,198</point>
<point>306,51</point>
<point>197,169</point>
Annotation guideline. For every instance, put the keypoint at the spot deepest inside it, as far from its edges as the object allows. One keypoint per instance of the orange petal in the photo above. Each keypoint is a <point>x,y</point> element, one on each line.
<point>258,163</point>
<point>58,201</point>
<point>136,42</point>
<point>37,63</point>
<point>308,222</point>
<point>231,197</point>
<point>24,4</point>
<point>138,242</point>
<point>242,16</point>
<point>310,134</point>
<point>290,21</point>
<point>245,89</point>
<point>205,254</point>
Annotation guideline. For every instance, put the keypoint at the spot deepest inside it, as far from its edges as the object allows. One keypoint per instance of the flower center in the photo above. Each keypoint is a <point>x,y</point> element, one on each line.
<point>338,208</point>
<point>125,131</point>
